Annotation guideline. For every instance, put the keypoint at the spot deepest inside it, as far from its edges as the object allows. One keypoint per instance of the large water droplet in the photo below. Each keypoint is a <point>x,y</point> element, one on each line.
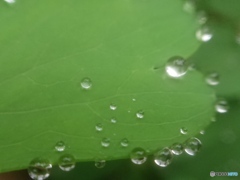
<point>105,142</point>
<point>140,114</point>
<point>204,34</point>
<point>183,130</point>
<point>113,107</point>
<point>212,79</point>
<point>163,157</point>
<point>60,146</point>
<point>124,142</point>
<point>113,120</point>
<point>176,67</point>
<point>222,106</point>
<point>66,162</point>
<point>99,127</point>
<point>39,169</point>
<point>138,156</point>
<point>86,83</point>
<point>177,148</point>
<point>100,163</point>
<point>192,146</point>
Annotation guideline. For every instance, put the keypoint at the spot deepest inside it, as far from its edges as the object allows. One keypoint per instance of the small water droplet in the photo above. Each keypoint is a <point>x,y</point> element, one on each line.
<point>113,107</point>
<point>60,146</point>
<point>10,1</point>
<point>204,34</point>
<point>212,79</point>
<point>177,148</point>
<point>39,169</point>
<point>189,6</point>
<point>222,106</point>
<point>86,83</point>
<point>163,157</point>
<point>113,120</point>
<point>133,99</point>
<point>140,114</point>
<point>100,163</point>
<point>124,142</point>
<point>66,162</point>
<point>202,132</point>
<point>183,130</point>
<point>99,127</point>
<point>202,17</point>
<point>192,146</point>
<point>105,142</point>
<point>138,156</point>
<point>176,67</point>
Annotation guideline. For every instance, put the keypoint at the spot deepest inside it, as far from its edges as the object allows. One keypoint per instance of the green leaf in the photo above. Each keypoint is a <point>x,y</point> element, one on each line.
<point>48,47</point>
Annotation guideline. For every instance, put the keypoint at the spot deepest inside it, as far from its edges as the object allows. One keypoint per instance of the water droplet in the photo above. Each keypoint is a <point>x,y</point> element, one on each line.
<point>100,163</point>
<point>113,107</point>
<point>222,106</point>
<point>192,146</point>
<point>39,169</point>
<point>140,114</point>
<point>99,127</point>
<point>66,162</point>
<point>105,142</point>
<point>113,120</point>
<point>60,146</point>
<point>183,130</point>
<point>212,79</point>
<point>138,156</point>
<point>177,148</point>
<point>204,34</point>
<point>176,67</point>
<point>86,83</point>
<point>202,132</point>
<point>133,99</point>
<point>124,142</point>
<point>189,6</point>
<point>163,157</point>
<point>202,17</point>
<point>10,1</point>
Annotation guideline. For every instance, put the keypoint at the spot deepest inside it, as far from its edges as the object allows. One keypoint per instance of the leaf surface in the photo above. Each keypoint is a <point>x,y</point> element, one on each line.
<point>48,47</point>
